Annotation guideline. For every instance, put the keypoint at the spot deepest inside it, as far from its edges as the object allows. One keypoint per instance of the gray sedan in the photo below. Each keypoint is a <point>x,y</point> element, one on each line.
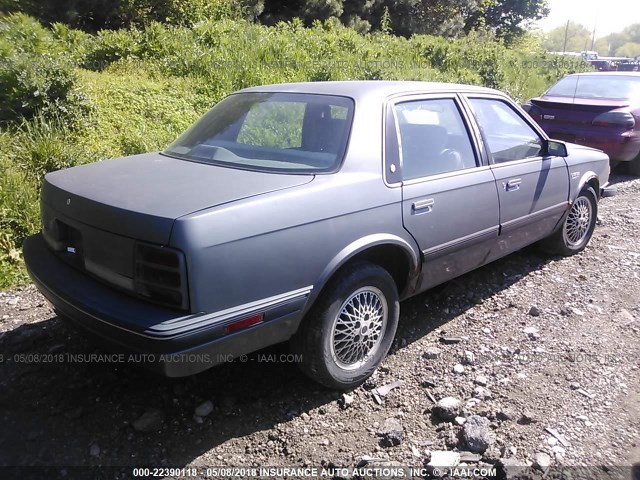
<point>305,213</point>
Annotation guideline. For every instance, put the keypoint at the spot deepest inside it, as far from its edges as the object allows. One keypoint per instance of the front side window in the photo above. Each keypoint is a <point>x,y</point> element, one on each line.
<point>508,135</point>
<point>433,138</point>
<point>276,132</point>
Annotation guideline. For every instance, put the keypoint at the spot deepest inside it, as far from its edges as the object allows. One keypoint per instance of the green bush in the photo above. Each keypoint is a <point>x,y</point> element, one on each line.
<point>20,33</point>
<point>36,77</point>
<point>42,84</point>
<point>74,43</point>
<point>109,46</point>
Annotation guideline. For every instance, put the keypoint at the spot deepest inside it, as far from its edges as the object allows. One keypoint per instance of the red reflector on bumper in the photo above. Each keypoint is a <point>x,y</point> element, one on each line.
<point>244,323</point>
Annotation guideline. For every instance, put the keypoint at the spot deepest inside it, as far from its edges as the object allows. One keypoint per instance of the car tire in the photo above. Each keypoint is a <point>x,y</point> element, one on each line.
<point>633,167</point>
<point>614,165</point>
<point>350,328</point>
<point>577,227</point>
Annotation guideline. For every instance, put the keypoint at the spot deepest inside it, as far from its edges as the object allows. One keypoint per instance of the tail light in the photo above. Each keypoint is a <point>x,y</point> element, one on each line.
<point>534,111</point>
<point>615,118</point>
<point>160,275</point>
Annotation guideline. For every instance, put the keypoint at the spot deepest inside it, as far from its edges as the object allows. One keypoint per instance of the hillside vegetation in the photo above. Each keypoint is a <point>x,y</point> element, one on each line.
<point>507,19</point>
<point>68,97</point>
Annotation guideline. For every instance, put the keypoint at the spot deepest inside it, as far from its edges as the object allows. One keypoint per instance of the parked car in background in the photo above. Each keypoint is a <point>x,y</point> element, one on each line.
<point>305,212</point>
<point>629,66</point>
<point>603,65</point>
<point>597,109</point>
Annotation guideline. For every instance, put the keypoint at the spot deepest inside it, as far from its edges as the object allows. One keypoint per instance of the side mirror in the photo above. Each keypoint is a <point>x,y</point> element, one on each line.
<point>556,148</point>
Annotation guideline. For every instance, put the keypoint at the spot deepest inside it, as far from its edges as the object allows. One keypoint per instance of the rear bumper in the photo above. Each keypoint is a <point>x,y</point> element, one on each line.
<point>619,146</point>
<point>171,342</point>
<point>623,150</point>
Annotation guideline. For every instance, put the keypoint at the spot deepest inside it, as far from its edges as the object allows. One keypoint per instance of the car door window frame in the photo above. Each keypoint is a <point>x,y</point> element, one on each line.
<point>392,142</point>
<point>467,97</point>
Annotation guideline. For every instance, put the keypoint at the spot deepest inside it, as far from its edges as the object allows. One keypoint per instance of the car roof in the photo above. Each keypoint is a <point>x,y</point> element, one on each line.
<point>369,89</point>
<point>598,74</point>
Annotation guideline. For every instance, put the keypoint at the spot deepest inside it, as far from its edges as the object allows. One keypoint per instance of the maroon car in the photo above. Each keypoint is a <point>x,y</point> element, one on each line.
<point>596,109</point>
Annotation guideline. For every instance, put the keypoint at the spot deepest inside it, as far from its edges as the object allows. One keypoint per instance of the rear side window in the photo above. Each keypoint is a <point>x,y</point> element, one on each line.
<point>508,135</point>
<point>275,132</point>
<point>433,138</point>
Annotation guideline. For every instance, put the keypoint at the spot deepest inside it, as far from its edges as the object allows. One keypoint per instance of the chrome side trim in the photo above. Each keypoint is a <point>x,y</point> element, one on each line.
<point>221,316</point>
<point>458,243</point>
<point>519,222</point>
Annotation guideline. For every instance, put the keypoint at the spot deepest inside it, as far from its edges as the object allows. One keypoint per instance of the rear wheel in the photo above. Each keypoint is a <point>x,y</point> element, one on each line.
<point>577,227</point>
<point>349,330</point>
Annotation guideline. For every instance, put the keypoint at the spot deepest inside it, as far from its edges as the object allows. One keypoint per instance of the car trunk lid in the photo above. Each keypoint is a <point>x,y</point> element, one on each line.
<point>574,111</point>
<point>562,117</point>
<point>141,196</point>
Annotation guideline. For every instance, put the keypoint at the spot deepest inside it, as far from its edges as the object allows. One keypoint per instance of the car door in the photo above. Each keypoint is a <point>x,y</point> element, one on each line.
<point>449,199</point>
<point>533,188</point>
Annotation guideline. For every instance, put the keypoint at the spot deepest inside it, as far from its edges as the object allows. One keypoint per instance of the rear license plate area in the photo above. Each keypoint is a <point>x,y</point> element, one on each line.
<point>71,239</point>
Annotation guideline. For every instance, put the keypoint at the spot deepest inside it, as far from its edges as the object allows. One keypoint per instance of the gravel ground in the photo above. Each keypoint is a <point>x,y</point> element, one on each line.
<point>540,356</point>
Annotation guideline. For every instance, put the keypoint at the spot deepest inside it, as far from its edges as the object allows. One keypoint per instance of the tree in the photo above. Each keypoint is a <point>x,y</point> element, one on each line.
<point>435,17</point>
<point>306,10</point>
<point>405,17</point>
<point>602,46</point>
<point>507,18</point>
<point>629,42</point>
<point>578,38</point>
<point>93,15</point>
<point>629,49</point>
<point>607,46</point>
<point>621,44</point>
<point>632,32</point>
<point>321,9</point>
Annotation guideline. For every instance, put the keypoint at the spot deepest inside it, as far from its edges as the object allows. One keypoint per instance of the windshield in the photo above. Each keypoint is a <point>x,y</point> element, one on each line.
<point>279,132</point>
<point>597,86</point>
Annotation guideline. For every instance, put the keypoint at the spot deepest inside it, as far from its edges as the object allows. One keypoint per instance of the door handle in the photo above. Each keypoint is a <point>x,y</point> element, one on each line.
<point>513,184</point>
<point>426,205</point>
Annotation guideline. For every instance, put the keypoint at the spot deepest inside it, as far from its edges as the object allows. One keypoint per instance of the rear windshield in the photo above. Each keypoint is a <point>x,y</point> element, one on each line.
<point>597,86</point>
<point>278,132</point>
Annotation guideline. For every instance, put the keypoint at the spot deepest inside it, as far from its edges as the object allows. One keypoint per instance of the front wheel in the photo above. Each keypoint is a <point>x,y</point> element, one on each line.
<point>577,227</point>
<point>349,330</point>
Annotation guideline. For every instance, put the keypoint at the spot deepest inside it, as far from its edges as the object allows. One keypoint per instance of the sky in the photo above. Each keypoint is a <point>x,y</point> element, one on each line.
<point>607,16</point>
